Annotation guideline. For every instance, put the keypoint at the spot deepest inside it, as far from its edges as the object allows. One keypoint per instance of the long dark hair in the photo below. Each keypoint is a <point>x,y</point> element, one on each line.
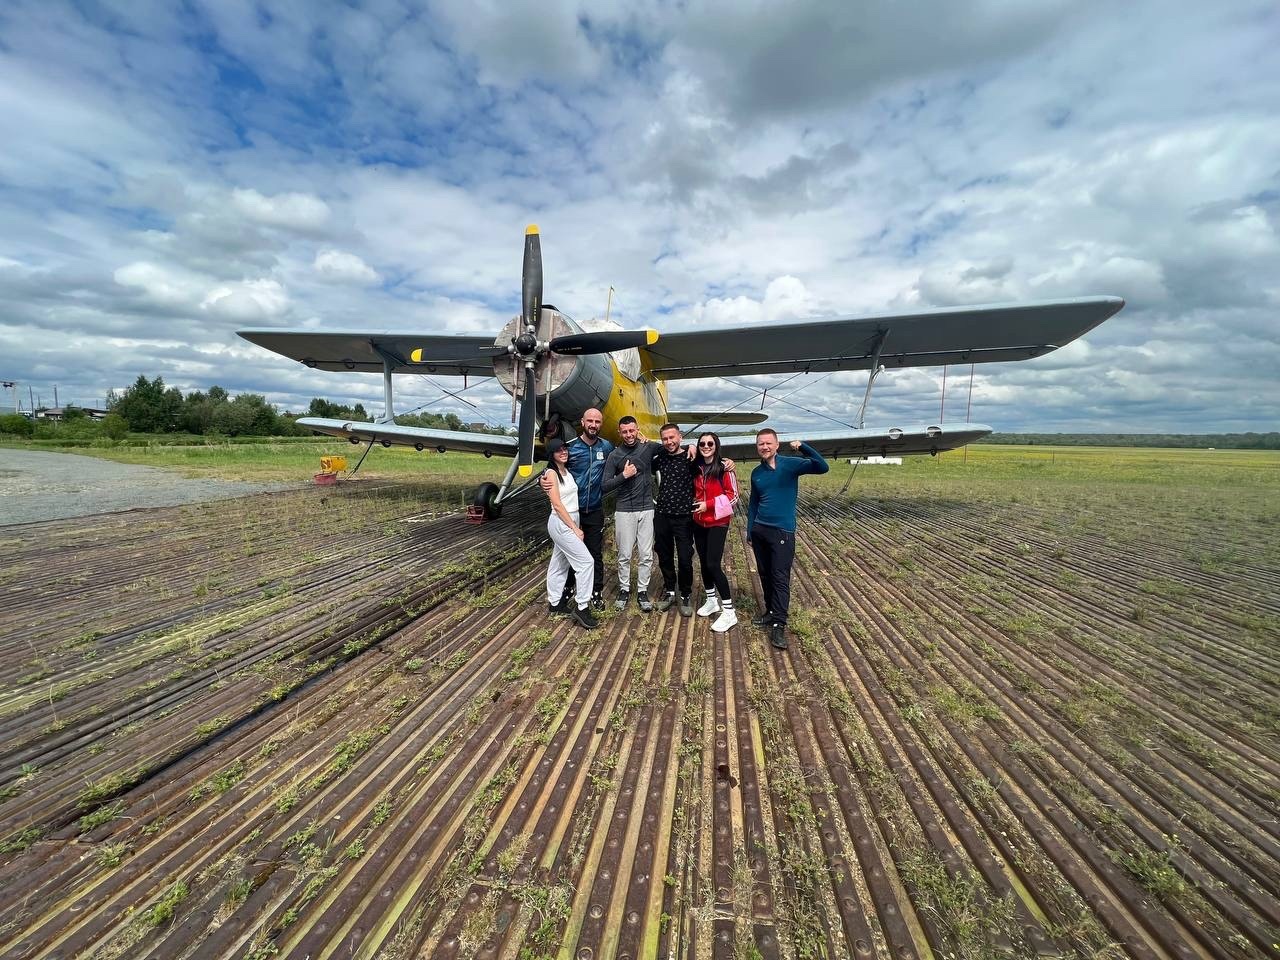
<point>715,469</point>
<point>554,446</point>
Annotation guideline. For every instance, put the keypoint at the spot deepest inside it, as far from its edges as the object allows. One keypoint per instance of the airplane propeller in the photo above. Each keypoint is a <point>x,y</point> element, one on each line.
<point>604,341</point>
<point>526,348</point>
<point>528,411</point>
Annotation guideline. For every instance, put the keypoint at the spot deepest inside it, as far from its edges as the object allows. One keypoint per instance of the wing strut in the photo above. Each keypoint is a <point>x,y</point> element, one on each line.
<point>876,369</point>
<point>388,362</point>
<point>506,481</point>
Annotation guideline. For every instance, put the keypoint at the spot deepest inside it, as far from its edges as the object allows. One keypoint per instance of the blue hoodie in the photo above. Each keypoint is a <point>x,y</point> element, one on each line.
<point>586,463</point>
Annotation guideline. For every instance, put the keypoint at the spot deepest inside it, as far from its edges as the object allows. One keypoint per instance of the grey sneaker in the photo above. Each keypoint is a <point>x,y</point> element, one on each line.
<point>686,605</point>
<point>778,636</point>
<point>646,605</point>
<point>667,600</point>
<point>621,601</point>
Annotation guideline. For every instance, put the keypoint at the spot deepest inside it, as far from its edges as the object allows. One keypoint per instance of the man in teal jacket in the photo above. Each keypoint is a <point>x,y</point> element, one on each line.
<point>771,524</point>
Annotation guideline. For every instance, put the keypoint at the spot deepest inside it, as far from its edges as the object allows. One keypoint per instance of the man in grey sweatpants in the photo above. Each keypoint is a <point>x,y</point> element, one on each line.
<point>629,472</point>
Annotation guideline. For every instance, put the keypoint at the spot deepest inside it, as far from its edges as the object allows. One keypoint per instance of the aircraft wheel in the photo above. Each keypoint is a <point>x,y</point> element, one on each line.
<point>418,447</point>
<point>355,440</point>
<point>485,498</point>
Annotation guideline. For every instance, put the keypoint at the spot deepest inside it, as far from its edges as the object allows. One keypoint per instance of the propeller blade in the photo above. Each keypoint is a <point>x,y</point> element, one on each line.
<point>531,288</point>
<point>528,424</point>
<point>605,341</point>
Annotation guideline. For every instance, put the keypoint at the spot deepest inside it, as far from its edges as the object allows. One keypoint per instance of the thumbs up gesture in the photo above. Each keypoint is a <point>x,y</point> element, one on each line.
<point>629,470</point>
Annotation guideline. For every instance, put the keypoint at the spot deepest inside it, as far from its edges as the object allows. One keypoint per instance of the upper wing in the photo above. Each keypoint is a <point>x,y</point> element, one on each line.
<point>325,350</point>
<point>929,339</point>
<point>873,441</point>
<point>420,437</point>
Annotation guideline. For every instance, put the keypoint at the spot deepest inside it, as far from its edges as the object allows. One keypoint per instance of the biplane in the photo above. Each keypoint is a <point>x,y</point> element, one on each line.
<point>555,368</point>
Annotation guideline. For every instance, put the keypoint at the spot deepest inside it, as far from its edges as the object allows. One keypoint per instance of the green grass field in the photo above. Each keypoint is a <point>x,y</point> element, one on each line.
<point>984,471</point>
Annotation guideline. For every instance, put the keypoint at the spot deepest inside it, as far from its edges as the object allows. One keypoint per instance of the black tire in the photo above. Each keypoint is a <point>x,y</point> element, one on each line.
<point>486,497</point>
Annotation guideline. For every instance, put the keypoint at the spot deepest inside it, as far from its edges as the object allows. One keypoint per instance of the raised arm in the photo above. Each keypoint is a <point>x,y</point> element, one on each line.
<point>816,463</point>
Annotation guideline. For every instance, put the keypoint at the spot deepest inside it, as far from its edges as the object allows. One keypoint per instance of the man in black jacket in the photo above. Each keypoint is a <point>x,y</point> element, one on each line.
<point>673,520</point>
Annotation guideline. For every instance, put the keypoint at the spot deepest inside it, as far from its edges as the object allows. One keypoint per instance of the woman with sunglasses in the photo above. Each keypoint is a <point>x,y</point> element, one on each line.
<point>715,493</point>
<point>567,539</point>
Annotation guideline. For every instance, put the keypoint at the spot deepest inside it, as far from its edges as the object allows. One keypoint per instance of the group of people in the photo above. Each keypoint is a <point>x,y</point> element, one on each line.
<point>692,509</point>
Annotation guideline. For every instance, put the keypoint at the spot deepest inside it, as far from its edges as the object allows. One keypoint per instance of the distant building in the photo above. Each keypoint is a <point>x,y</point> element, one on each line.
<point>881,461</point>
<point>57,413</point>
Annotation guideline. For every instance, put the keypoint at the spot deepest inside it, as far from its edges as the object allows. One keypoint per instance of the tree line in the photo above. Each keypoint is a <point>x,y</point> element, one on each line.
<point>148,406</point>
<point>1202,441</point>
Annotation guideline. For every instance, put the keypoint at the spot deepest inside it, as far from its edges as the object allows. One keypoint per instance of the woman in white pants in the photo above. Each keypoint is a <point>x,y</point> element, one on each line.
<point>566,538</point>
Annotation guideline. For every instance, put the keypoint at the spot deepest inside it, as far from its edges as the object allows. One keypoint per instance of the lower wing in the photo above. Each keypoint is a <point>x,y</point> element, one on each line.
<point>420,438</point>
<point>696,418</point>
<point>872,441</point>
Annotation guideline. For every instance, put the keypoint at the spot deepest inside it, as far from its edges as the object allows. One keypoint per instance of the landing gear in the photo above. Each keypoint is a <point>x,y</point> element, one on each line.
<point>486,501</point>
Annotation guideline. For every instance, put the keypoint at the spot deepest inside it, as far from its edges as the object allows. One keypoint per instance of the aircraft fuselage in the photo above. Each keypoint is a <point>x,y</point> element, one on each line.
<point>615,383</point>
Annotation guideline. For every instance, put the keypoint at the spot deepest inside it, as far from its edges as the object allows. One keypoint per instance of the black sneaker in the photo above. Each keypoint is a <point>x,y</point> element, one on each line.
<point>778,636</point>
<point>583,617</point>
<point>762,619</point>
<point>686,605</point>
<point>597,601</point>
<point>560,609</point>
<point>646,605</point>
<point>621,601</point>
<point>667,600</point>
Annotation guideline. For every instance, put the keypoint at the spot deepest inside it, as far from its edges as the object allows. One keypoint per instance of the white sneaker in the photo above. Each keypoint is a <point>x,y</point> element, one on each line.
<point>710,605</point>
<point>728,617</point>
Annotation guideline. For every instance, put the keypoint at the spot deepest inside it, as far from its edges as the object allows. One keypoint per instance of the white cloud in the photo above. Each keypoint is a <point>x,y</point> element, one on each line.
<point>715,164</point>
<point>162,285</point>
<point>344,267</point>
<point>247,301</point>
<point>302,212</point>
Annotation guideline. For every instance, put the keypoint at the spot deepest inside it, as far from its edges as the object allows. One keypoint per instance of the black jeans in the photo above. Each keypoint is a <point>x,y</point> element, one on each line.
<point>592,524</point>
<point>710,544</point>
<point>775,549</point>
<point>673,542</point>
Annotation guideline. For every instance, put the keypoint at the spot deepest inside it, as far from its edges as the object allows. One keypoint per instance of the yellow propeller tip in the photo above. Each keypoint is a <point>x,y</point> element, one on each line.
<point>416,355</point>
<point>526,469</point>
<point>531,230</point>
<point>651,337</point>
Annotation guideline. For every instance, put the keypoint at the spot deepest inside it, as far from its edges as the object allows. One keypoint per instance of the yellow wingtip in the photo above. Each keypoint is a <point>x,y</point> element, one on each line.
<point>416,355</point>
<point>531,230</point>
<point>526,469</point>
<point>651,337</point>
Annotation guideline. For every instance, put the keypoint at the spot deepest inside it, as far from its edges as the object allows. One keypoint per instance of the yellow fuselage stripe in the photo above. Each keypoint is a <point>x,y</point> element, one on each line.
<point>645,399</point>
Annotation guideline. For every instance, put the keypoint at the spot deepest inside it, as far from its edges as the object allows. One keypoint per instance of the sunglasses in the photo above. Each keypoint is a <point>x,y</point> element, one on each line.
<point>707,443</point>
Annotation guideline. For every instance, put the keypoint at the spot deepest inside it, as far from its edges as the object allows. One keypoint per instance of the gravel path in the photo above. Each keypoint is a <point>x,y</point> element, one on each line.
<point>35,485</point>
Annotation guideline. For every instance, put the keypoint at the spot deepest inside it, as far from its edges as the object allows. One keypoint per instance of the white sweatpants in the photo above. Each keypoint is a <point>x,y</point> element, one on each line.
<point>568,551</point>
<point>634,531</point>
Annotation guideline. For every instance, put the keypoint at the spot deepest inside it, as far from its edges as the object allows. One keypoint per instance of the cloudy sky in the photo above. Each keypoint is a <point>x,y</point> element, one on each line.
<point>171,173</point>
